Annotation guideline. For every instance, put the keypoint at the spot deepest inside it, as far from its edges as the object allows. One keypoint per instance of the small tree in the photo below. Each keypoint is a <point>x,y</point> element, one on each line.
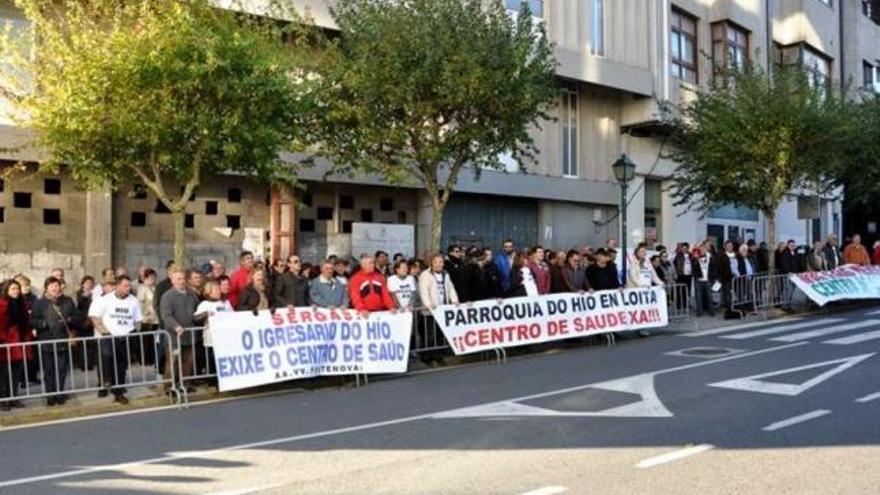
<point>415,91</point>
<point>751,139</point>
<point>860,173</point>
<point>162,93</point>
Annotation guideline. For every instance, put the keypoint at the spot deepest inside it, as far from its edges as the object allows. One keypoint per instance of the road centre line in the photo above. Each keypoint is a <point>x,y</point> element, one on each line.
<point>785,423</point>
<point>674,456</point>
<point>348,429</point>
<point>547,490</point>
<point>868,398</point>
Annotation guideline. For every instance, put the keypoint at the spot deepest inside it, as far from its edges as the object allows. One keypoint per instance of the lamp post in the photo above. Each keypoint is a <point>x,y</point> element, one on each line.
<point>624,171</point>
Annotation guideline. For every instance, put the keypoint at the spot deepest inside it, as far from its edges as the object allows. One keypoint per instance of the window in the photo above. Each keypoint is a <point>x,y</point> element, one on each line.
<point>346,226</point>
<point>306,225</point>
<point>139,192</point>
<point>325,213</point>
<point>346,203</point>
<point>189,221</point>
<point>366,215</point>
<point>51,186</point>
<point>870,77</point>
<point>233,222</point>
<point>211,208</point>
<point>597,32</point>
<point>386,204</point>
<point>161,208</point>
<point>51,216</point>
<point>817,66</point>
<point>21,200</point>
<point>536,6</point>
<point>2,214</point>
<point>569,119</point>
<point>138,219</point>
<point>1,185</point>
<point>683,46</point>
<point>307,199</point>
<point>233,195</point>
<point>730,46</point>
<point>401,217</point>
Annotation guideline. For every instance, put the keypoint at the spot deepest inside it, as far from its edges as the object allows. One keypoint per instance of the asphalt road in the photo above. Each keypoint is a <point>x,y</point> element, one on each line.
<point>790,406</point>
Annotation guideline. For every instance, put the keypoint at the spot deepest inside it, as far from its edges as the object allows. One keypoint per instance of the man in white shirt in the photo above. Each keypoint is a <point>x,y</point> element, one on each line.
<point>115,315</point>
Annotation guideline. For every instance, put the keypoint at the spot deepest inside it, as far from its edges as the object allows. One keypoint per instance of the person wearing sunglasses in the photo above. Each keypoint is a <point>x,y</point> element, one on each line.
<point>292,287</point>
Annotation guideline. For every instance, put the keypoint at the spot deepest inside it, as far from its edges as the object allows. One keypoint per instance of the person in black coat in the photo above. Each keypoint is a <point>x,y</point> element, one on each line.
<point>55,318</point>
<point>458,272</point>
<point>291,288</point>
<point>489,285</point>
<point>602,275</point>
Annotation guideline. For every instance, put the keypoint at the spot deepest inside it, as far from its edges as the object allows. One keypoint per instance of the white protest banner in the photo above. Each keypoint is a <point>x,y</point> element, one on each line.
<point>845,282</point>
<point>491,324</point>
<point>251,350</point>
<point>389,237</point>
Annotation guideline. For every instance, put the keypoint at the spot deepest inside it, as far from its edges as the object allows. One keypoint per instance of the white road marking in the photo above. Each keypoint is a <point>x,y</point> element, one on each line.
<point>855,339</point>
<point>826,331</point>
<point>755,384</point>
<point>733,328</point>
<point>873,313</point>
<point>547,490</point>
<point>339,431</point>
<point>868,398</point>
<point>245,491</point>
<point>674,456</point>
<point>783,328</point>
<point>785,423</point>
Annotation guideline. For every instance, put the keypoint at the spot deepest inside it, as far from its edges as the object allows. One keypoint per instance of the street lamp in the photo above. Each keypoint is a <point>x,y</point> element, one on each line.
<point>624,171</point>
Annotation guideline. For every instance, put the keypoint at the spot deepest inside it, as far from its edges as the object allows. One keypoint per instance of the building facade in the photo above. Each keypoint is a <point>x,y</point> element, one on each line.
<point>617,60</point>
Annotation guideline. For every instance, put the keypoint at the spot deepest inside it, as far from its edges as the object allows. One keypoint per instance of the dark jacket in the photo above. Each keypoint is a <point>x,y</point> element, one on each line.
<point>833,257</point>
<point>460,276</point>
<point>713,269</point>
<point>249,299</point>
<point>575,279</point>
<point>490,282</point>
<point>557,280</point>
<point>605,278</point>
<point>679,264</point>
<point>722,264</point>
<point>787,262</point>
<point>516,288</point>
<point>54,320</point>
<point>289,290</point>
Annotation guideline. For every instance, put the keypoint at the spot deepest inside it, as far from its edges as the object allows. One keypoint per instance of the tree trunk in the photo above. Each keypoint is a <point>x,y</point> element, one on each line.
<point>771,240</point>
<point>436,226</point>
<point>179,216</point>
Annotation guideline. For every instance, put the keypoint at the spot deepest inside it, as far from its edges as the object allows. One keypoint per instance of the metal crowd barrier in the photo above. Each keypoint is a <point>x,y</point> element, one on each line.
<point>193,360</point>
<point>56,368</point>
<point>742,296</point>
<point>773,291</point>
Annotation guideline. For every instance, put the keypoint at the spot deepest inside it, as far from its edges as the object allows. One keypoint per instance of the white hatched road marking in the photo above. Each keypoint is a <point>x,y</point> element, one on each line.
<point>826,331</point>
<point>873,313</point>
<point>785,423</point>
<point>547,490</point>
<point>733,328</point>
<point>868,398</point>
<point>855,339</point>
<point>783,328</point>
<point>246,491</point>
<point>674,456</point>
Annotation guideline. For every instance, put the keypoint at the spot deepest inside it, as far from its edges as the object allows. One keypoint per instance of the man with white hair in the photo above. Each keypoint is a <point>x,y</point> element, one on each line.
<point>368,290</point>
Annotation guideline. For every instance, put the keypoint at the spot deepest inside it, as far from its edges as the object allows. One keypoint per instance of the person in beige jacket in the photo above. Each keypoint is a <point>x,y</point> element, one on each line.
<point>435,286</point>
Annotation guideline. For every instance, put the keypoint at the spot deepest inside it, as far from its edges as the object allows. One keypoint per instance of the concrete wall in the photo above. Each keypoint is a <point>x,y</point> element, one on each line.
<point>27,244</point>
<point>151,245</point>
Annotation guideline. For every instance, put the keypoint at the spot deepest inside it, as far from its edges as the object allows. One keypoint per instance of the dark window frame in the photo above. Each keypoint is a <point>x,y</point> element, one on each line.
<point>726,44</point>
<point>675,27</point>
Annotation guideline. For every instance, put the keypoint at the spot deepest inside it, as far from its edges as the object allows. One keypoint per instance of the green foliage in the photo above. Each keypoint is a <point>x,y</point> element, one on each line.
<point>158,92</point>
<point>411,89</point>
<point>751,139</point>
<point>860,173</point>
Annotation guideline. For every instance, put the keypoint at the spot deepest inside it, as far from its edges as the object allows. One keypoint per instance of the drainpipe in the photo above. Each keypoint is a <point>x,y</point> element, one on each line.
<point>842,55</point>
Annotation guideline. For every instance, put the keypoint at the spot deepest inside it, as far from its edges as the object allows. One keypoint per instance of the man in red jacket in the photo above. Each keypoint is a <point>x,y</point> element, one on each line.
<point>239,279</point>
<point>368,290</point>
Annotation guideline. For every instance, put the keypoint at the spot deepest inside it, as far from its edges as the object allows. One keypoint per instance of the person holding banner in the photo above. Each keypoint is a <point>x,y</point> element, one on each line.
<point>368,290</point>
<point>603,274</point>
<point>403,287</point>
<point>326,291</point>
<point>641,272</point>
<point>855,253</point>
<point>522,283</point>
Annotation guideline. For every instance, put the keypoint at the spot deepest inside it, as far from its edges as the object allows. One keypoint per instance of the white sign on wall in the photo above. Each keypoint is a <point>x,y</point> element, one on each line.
<point>255,242</point>
<point>389,237</point>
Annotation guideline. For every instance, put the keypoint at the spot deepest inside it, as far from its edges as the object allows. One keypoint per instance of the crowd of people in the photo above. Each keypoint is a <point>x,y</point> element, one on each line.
<point>117,304</point>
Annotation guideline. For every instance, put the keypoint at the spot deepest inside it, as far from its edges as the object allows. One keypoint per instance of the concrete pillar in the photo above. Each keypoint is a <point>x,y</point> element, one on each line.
<point>424,214</point>
<point>98,250</point>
